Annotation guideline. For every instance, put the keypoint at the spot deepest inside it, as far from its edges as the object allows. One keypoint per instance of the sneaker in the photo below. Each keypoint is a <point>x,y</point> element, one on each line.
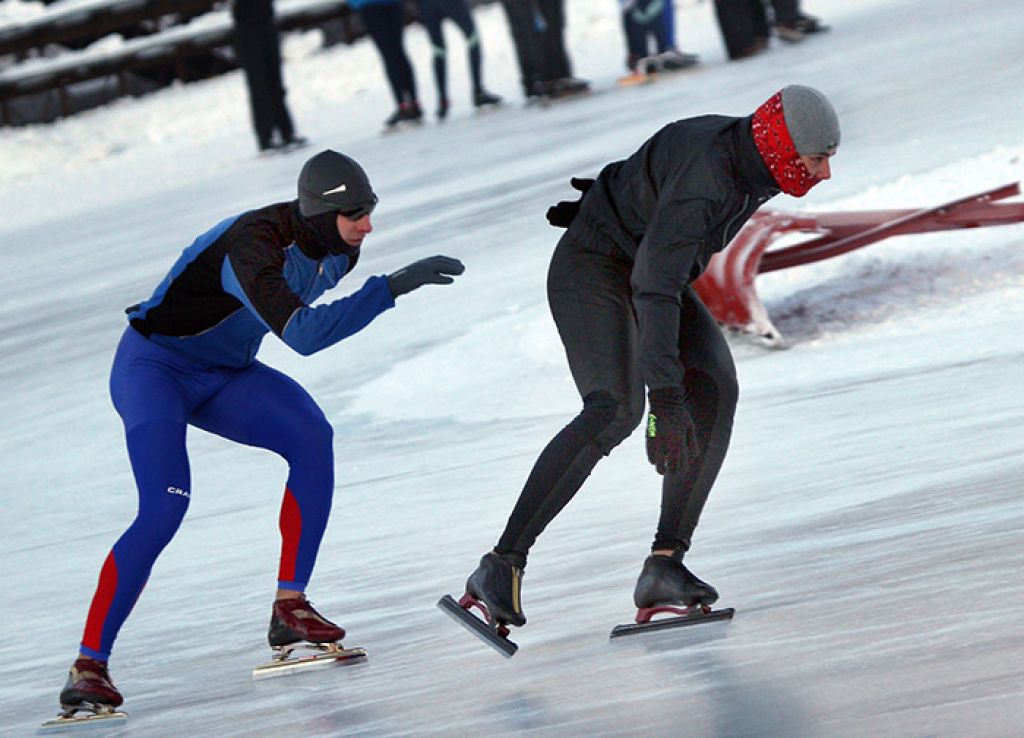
<point>673,60</point>
<point>569,86</point>
<point>497,584</point>
<point>295,142</point>
<point>665,581</point>
<point>810,24</point>
<point>482,98</point>
<point>89,682</point>
<point>789,32</point>
<point>538,88</point>
<point>294,620</point>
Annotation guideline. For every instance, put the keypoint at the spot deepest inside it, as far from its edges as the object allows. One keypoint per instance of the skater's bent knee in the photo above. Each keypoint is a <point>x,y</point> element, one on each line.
<point>607,420</point>
<point>312,437</point>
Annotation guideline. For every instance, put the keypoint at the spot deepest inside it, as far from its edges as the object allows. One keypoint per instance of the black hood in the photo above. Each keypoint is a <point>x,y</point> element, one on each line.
<point>318,236</point>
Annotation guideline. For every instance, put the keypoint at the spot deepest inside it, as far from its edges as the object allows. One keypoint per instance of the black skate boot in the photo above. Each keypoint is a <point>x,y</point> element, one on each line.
<point>483,98</point>
<point>497,584</point>
<point>494,590</point>
<point>408,114</point>
<point>665,582</point>
<point>666,587</point>
<point>295,620</point>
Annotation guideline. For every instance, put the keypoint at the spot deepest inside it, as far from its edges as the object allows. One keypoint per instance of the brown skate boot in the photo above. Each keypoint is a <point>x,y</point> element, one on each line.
<point>295,620</point>
<point>89,683</point>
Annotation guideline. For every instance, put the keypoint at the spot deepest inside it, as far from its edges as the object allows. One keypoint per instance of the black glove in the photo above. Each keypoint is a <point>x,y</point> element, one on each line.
<point>671,435</point>
<point>432,270</point>
<point>561,215</point>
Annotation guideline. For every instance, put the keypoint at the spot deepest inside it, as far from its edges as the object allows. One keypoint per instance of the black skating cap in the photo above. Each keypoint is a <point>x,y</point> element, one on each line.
<point>330,182</point>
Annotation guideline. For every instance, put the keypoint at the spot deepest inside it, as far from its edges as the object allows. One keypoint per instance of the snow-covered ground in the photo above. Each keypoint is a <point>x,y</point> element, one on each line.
<point>867,522</point>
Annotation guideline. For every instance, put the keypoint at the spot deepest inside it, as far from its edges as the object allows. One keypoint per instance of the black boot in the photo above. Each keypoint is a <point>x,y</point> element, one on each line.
<point>409,112</point>
<point>665,581</point>
<point>483,98</point>
<point>497,584</point>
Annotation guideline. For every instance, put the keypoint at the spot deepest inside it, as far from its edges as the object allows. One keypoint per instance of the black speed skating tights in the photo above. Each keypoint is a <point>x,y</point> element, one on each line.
<point>591,302</point>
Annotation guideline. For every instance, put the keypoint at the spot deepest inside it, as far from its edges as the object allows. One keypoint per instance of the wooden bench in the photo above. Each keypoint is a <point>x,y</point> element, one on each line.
<point>42,89</point>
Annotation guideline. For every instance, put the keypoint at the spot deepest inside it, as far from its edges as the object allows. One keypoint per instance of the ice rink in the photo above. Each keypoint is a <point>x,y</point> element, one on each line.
<point>866,526</point>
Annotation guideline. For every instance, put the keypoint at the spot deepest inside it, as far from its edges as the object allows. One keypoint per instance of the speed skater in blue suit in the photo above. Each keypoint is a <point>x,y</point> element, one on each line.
<point>188,357</point>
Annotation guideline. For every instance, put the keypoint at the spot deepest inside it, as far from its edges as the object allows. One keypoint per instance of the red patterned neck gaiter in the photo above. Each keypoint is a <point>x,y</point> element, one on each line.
<point>776,147</point>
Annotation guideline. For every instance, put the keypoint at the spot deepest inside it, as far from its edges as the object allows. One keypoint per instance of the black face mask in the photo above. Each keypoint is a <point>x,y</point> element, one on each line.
<point>325,226</point>
<point>318,235</point>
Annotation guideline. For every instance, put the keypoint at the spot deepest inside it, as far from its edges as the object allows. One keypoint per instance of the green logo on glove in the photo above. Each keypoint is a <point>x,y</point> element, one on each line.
<point>652,425</point>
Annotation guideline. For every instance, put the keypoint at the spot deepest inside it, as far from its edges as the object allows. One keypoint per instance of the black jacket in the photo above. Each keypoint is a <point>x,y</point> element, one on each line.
<point>667,209</point>
<point>255,273</point>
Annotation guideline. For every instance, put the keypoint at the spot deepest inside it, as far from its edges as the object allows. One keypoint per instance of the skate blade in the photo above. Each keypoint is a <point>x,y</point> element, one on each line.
<point>632,80</point>
<point>405,125</point>
<point>76,718</point>
<point>485,110</point>
<point>689,616</point>
<point>327,654</point>
<point>486,632</point>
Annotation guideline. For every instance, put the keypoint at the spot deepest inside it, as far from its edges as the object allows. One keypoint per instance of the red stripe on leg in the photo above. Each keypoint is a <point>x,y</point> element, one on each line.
<point>291,533</point>
<point>101,604</point>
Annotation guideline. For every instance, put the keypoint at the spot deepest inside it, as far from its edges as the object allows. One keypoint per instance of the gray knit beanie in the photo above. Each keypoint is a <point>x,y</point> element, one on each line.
<point>811,120</point>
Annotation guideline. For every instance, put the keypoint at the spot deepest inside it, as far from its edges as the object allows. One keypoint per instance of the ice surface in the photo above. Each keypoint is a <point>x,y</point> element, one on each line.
<point>867,522</point>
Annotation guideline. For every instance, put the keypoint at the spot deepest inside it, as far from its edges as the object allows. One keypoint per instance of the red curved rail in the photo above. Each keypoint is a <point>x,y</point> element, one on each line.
<point>727,286</point>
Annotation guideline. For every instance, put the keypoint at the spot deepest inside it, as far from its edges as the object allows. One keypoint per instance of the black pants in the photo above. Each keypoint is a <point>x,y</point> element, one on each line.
<point>432,12</point>
<point>537,28</point>
<point>386,25</point>
<point>591,301</point>
<point>259,54</point>
<point>742,23</point>
<point>786,11</point>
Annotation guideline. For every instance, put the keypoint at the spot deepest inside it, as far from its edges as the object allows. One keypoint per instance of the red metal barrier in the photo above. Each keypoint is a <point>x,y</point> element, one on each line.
<point>727,287</point>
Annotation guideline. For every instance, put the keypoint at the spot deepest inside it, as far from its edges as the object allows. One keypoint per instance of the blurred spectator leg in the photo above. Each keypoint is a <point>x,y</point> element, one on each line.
<point>461,14</point>
<point>385,22</point>
<point>739,25</point>
<point>250,42</point>
<point>431,15</point>
<point>668,24</point>
<point>557,68</point>
<point>636,38</point>
<point>521,16</point>
<point>280,117</point>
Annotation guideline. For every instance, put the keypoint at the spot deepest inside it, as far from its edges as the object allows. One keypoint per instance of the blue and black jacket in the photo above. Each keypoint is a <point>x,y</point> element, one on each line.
<point>257,273</point>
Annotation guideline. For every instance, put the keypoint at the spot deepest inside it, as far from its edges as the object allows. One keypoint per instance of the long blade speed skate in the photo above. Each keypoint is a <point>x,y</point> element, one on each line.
<point>694,615</point>
<point>325,654</point>
<point>493,634</point>
<point>81,716</point>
